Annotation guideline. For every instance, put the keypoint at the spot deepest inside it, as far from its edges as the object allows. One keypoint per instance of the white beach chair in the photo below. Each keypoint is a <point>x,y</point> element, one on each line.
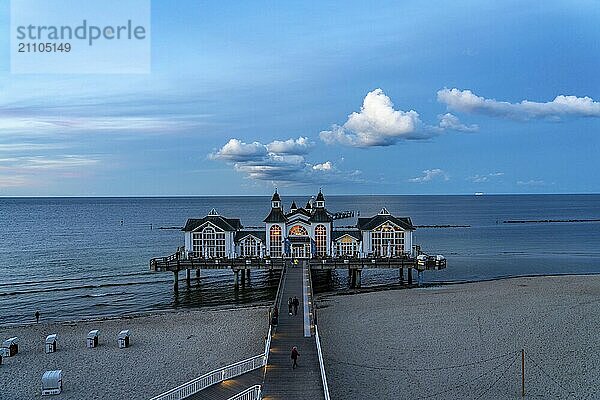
<point>50,346</point>
<point>52,382</point>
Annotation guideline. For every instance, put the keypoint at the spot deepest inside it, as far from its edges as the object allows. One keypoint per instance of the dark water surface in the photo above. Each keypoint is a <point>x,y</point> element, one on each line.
<point>72,258</point>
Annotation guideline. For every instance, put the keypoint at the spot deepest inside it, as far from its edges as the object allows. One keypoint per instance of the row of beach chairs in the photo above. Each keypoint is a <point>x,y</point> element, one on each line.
<point>52,380</point>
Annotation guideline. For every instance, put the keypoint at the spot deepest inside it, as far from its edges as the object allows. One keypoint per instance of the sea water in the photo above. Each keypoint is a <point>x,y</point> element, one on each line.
<point>74,258</point>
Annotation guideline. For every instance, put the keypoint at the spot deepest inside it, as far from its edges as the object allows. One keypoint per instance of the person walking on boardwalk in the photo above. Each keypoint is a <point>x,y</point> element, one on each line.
<point>290,304</point>
<point>295,356</point>
<point>296,303</point>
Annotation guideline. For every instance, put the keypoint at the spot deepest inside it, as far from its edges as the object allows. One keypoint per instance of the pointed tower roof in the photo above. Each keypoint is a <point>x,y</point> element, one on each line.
<point>320,196</point>
<point>275,196</point>
<point>308,205</point>
<point>293,206</point>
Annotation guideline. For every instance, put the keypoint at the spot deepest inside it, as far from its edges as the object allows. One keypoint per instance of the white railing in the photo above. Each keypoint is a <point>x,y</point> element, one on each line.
<point>252,393</point>
<point>212,378</point>
<point>227,372</point>
<point>318,340</point>
<point>321,365</point>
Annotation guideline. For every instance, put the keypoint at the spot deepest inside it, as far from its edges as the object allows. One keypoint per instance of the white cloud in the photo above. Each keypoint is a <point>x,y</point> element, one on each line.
<point>376,124</point>
<point>40,125</point>
<point>280,161</point>
<point>13,181</point>
<point>485,177</point>
<point>299,146</point>
<point>430,175</point>
<point>236,150</point>
<point>532,183</point>
<point>562,106</point>
<point>326,166</point>
<point>451,122</point>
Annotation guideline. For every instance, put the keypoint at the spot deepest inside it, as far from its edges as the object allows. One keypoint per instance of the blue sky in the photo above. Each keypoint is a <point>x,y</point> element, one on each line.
<point>392,97</point>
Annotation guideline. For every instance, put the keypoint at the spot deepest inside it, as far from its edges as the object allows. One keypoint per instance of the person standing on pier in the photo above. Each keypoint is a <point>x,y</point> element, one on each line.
<point>290,304</point>
<point>295,356</point>
<point>296,303</point>
<point>37,317</point>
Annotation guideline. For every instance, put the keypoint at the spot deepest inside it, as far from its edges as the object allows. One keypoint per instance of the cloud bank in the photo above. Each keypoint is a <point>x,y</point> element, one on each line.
<point>562,106</point>
<point>281,162</point>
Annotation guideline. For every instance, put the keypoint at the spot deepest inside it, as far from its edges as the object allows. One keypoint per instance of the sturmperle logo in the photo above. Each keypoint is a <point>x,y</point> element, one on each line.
<point>78,37</point>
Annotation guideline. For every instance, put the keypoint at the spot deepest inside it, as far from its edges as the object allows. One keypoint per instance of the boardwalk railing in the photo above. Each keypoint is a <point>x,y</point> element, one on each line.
<point>212,378</point>
<point>318,340</point>
<point>322,365</point>
<point>252,393</point>
<point>229,371</point>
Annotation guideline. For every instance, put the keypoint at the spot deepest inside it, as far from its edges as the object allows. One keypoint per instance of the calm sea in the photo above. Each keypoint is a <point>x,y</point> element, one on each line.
<point>74,258</point>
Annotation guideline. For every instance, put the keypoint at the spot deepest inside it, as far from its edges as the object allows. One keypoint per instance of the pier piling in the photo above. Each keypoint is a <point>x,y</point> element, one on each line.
<point>198,273</point>
<point>176,280</point>
<point>243,277</point>
<point>358,273</point>
<point>410,276</point>
<point>236,277</point>
<point>188,274</point>
<point>401,275</point>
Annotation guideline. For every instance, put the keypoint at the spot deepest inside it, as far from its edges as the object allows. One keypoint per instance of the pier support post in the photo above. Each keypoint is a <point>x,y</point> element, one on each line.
<point>243,277</point>
<point>248,274</point>
<point>236,277</point>
<point>198,273</point>
<point>357,279</point>
<point>188,275</point>
<point>176,280</point>
<point>401,275</point>
<point>410,276</point>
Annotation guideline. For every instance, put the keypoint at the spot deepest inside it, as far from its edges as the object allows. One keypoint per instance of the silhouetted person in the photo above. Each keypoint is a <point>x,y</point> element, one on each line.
<point>37,317</point>
<point>275,316</point>
<point>296,303</point>
<point>290,304</point>
<point>295,356</point>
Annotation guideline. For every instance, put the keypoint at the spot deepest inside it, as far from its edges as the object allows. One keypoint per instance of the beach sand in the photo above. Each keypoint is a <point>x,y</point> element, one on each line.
<point>418,343</point>
<point>167,350</point>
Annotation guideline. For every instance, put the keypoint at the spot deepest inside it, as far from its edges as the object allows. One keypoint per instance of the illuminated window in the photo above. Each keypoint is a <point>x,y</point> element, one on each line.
<point>250,247</point>
<point>298,230</point>
<point>346,246</point>
<point>387,240</point>
<point>321,240</point>
<point>209,243</point>
<point>275,236</point>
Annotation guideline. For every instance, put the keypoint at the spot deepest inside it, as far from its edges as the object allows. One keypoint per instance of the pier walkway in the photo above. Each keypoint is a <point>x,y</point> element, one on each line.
<point>281,381</point>
<point>276,380</point>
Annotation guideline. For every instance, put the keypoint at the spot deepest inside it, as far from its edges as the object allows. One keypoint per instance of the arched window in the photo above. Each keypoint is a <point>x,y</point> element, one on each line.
<point>321,240</point>
<point>209,243</point>
<point>298,230</point>
<point>387,240</point>
<point>275,238</point>
<point>250,247</point>
<point>347,246</point>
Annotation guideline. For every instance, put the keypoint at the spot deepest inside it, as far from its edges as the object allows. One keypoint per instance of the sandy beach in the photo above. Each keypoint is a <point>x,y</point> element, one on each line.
<point>167,350</point>
<point>463,341</point>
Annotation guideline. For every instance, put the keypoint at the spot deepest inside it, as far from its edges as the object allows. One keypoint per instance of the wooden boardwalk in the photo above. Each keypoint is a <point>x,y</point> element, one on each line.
<point>231,387</point>
<point>281,381</point>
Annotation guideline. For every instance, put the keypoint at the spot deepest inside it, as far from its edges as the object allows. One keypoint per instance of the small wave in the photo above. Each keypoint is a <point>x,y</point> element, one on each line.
<point>60,280</point>
<point>50,290</point>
